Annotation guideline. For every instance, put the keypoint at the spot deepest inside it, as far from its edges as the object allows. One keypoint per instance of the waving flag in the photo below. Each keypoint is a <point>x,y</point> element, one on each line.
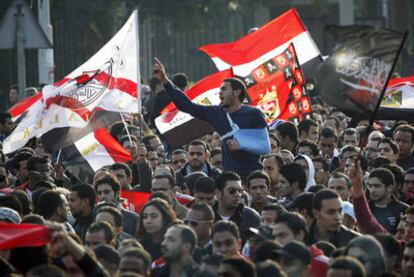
<point>23,235</point>
<point>178,127</point>
<point>355,74</point>
<point>398,100</point>
<point>107,81</point>
<point>277,88</point>
<point>98,149</point>
<point>252,50</point>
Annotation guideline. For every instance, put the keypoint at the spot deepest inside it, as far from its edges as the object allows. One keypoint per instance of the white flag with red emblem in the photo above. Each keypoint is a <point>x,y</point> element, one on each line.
<point>109,80</point>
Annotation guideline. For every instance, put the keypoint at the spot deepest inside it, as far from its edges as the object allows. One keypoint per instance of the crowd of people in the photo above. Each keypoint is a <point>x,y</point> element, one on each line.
<point>329,197</point>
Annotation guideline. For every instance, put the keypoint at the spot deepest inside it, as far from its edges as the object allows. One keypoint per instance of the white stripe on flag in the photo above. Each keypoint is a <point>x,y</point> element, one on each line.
<point>93,152</point>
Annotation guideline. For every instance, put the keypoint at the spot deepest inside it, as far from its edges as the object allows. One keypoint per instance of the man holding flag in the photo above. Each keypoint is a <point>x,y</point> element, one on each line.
<point>230,119</point>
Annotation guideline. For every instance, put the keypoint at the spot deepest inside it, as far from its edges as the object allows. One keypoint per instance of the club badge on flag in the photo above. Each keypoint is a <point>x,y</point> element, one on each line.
<point>107,81</point>
<point>277,88</point>
<point>254,49</point>
<point>355,74</point>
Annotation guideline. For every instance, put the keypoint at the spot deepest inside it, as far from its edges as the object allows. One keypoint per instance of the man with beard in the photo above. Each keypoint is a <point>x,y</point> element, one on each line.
<point>272,164</point>
<point>177,248</point>
<point>53,206</point>
<point>242,157</point>
<point>81,202</point>
<point>197,161</point>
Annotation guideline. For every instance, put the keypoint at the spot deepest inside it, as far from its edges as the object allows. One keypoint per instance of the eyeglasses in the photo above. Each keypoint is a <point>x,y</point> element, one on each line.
<point>193,222</point>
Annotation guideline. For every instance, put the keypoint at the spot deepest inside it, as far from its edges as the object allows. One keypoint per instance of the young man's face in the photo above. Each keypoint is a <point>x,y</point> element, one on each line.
<point>197,221</point>
<point>172,245</point>
<point>351,139</point>
<point>122,177</point>
<point>268,216</point>
<point>178,161</point>
<point>385,150</point>
<point>330,215</point>
<point>377,189</point>
<point>286,189</point>
<point>282,233</point>
<point>162,185</point>
<point>404,141</point>
<point>77,205</point>
<point>339,185</point>
<point>327,146</point>
<point>196,156</point>
<point>106,193</point>
<point>407,263</point>
<point>408,185</point>
<point>226,244</point>
<point>231,194</point>
<point>204,197</point>
<point>258,189</point>
<point>313,133</point>
<point>227,95</point>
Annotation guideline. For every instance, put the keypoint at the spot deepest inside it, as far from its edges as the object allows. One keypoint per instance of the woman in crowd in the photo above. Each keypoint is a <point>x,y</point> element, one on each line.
<point>155,218</point>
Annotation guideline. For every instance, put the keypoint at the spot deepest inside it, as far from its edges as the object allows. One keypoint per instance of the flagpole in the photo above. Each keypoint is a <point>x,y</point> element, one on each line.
<point>139,95</point>
<point>374,114</point>
<point>126,129</point>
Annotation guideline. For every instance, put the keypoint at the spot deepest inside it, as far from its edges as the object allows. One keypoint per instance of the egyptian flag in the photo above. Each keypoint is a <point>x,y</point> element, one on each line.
<point>398,100</point>
<point>355,74</point>
<point>179,128</point>
<point>277,88</point>
<point>23,235</point>
<point>97,149</point>
<point>252,50</point>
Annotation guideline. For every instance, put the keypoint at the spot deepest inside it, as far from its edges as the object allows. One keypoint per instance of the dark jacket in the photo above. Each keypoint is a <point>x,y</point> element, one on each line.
<point>211,172</point>
<point>82,224</point>
<point>339,239</point>
<point>270,200</point>
<point>244,217</point>
<point>130,222</point>
<point>192,269</point>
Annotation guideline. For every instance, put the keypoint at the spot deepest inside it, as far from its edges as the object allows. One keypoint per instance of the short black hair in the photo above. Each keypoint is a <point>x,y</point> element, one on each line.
<point>294,173</point>
<point>48,203</point>
<point>308,143</point>
<point>123,166</point>
<point>294,221</point>
<point>116,213</point>
<point>222,179</point>
<point>4,116</point>
<point>23,156</point>
<point>384,175</point>
<point>394,147</point>
<point>328,132</point>
<point>323,194</point>
<point>349,263</point>
<point>208,213</point>
<point>46,270</point>
<point>350,131</point>
<point>180,80</point>
<point>204,184</point>
<point>278,159</point>
<point>103,226</point>
<point>108,254</point>
<point>225,226</point>
<point>32,162</point>
<point>306,124</point>
<point>138,253</point>
<point>258,174</point>
<point>236,83</point>
<point>169,177</point>
<point>85,191</point>
<point>108,180</point>
<point>288,129</point>
<point>339,175</point>
<point>405,128</point>
<point>245,267</point>
<point>198,142</point>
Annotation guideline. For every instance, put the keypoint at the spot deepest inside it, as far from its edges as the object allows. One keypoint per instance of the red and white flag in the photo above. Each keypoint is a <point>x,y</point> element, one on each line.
<point>179,128</point>
<point>99,149</point>
<point>107,81</point>
<point>254,49</point>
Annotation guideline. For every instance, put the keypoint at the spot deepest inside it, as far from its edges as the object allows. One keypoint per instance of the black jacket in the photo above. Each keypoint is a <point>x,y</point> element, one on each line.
<point>211,172</point>
<point>191,269</point>
<point>244,217</point>
<point>339,239</point>
<point>81,225</point>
